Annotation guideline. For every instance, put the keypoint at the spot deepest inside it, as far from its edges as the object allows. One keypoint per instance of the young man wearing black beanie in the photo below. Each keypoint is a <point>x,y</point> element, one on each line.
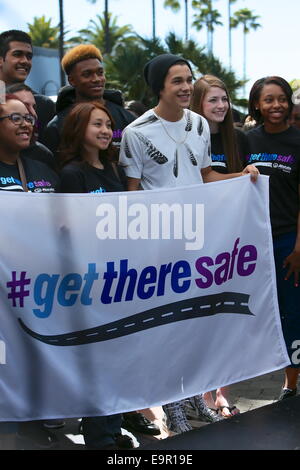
<point>169,146</point>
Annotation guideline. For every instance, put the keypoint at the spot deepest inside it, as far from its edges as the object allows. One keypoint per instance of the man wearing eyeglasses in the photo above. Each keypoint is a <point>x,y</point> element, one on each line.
<point>15,65</point>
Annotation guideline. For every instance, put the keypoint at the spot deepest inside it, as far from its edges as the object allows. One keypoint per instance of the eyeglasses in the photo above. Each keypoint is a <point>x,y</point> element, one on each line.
<point>18,119</point>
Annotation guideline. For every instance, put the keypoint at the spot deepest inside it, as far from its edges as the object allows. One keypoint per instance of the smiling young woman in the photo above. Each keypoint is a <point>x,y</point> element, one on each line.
<point>86,154</point>
<point>228,145</point>
<point>16,130</point>
<point>274,148</point>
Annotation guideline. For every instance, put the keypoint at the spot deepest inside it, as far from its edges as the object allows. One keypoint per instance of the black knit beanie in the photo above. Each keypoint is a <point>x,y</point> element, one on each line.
<point>155,70</point>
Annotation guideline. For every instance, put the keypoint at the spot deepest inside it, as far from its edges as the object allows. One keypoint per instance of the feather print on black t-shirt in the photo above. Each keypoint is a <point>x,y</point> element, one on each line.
<point>152,151</point>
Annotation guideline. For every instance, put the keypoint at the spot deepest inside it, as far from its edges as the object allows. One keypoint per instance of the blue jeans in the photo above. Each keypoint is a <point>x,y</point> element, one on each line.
<point>288,297</point>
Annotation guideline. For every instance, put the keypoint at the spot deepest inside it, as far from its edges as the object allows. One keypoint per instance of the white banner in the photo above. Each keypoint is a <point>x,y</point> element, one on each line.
<point>122,301</point>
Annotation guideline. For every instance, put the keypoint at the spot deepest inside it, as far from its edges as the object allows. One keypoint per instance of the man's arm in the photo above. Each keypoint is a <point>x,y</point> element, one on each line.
<point>131,159</point>
<point>133,184</point>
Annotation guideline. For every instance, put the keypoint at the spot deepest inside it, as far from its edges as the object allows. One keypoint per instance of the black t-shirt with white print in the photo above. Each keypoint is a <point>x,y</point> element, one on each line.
<point>83,178</point>
<point>40,178</point>
<point>278,155</point>
<point>218,156</point>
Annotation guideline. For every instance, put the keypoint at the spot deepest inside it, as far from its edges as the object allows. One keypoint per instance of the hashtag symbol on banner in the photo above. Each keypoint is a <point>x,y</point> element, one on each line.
<point>17,288</point>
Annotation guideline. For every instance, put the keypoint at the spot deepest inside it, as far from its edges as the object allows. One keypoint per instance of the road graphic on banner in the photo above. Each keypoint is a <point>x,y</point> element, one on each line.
<point>225,302</point>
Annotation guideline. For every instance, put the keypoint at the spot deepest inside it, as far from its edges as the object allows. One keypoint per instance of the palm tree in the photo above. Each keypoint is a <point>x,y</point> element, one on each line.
<point>45,35</point>
<point>230,2</point>
<point>42,33</point>
<point>153,20</point>
<point>129,57</point>
<point>96,33</point>
<point>107,38</point>
<point>61,41</point>
<point>204,63</point>
<point>249,21</point>
<point>134,55</point>
<point>175,5</point>
<point>207,16</point>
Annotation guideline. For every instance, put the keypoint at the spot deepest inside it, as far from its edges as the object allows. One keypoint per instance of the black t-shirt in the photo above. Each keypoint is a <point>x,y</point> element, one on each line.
<point>278,155</point>
<point>38,151</point>
<point>40,178</point>
<point>218,157</point>
<point>84,178</point>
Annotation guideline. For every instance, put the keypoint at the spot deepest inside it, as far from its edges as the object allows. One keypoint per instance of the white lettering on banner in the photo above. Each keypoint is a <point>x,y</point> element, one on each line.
<point>2,353</point>
<point>296,354</point>
<point>154,222</point>
<point>88,321</point>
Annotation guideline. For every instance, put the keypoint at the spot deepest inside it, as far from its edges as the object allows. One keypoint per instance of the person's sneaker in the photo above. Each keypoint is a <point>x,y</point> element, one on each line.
<point>123,441</point>
<point>176,418</point>
<point>54,423</point>
<point>287,393</point>
<point>196,408</point>
<point>139,423</point>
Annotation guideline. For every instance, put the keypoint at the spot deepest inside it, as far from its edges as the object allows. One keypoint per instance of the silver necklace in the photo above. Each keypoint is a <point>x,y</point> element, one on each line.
<point>177,142</point>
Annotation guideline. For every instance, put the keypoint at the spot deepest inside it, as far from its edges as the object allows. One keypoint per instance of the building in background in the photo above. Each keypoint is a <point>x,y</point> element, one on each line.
<point>44,77</point>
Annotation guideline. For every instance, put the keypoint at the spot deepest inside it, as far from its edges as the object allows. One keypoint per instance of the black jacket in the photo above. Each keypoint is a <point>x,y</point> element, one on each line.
<point>45,109</point>
<point>65,100</point>
<point>38,151</point>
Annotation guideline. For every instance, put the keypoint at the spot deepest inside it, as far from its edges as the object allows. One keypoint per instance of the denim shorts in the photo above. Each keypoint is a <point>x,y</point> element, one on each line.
<point>288,297</point>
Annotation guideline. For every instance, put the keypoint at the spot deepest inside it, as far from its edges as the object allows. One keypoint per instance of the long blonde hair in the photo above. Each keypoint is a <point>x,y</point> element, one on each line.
<point>229,142</point>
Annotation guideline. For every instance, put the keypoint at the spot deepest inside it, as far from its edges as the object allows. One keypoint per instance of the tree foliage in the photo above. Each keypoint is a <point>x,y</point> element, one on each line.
<point>246,18</point>
<point>95,33</point>
<point>126,53</point>
<point>42,33</point>
<point>206,16</point>
<point>125,68</point>
<point>175,5</point>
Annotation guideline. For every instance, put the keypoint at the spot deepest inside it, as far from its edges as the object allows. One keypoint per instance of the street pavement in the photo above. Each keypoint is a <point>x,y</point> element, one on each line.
<point>247,396</point>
